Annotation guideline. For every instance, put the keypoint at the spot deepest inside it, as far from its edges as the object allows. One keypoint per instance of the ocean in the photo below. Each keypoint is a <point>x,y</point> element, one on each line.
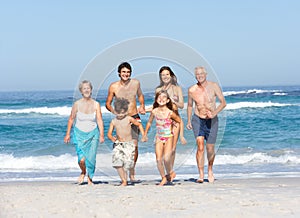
<point>259,137</point>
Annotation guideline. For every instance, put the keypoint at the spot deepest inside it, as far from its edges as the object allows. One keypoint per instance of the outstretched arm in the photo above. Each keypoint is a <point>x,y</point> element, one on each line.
<point>100,122</point>
<point>110,132</point>
<point>149,109</point>
<point>180,102</point>
<point>141,128</point>
<point>70,123</point>
<point>189,111</point>
<point>176,118</point>
<point>140,95</point>
<point>148,125</point>
<point>109,99</point>
<point>221,98</point>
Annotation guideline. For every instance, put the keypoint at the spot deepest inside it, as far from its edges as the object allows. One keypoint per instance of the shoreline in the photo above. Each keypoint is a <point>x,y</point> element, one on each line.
<point>238,197</point>
<point>141,175</point>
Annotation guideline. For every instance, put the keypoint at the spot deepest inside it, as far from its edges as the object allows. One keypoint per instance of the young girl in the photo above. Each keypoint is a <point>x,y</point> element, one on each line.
<point>168,82</point>
<point>164,117</point>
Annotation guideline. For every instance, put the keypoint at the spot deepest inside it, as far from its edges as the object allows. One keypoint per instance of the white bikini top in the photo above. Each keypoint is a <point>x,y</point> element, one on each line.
<point>86,122</point>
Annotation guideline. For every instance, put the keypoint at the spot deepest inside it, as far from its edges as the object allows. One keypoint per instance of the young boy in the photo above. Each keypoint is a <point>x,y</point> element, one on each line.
<point>124,147</point>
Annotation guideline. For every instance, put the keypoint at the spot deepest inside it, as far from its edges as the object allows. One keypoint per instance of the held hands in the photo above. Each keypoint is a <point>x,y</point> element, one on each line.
<point>114,139</point>
<point>144,138</point>
<point>149,109</point>
<point>141,110</point>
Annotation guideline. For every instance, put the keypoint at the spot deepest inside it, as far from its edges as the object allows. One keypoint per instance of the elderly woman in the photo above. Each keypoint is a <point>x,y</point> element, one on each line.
<point>87,115</point>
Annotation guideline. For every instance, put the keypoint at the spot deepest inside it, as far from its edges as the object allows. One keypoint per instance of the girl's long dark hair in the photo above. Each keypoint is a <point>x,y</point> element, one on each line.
<point>169,104</point>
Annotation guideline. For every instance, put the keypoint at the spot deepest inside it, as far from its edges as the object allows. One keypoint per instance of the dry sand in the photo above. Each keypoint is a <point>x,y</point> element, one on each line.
<point>261,197</point>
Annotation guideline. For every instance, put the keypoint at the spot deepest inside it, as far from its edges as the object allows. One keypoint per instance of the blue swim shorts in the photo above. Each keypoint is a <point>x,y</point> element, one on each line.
<point>205,127</point>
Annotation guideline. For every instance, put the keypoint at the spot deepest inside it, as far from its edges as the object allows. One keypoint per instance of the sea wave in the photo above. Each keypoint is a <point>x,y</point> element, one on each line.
<point>68,162</point>
<point>280,93</point>
<point>247,104</point>
<point>258,158</point>
<point>65,110</point>
<point>114,179</point>
<point>62,111</point>
<point>250,91</point>
<point>33,163</point>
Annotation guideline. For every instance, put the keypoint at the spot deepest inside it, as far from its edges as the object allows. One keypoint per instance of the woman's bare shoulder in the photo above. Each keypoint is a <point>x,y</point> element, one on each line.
<point>77,102</point>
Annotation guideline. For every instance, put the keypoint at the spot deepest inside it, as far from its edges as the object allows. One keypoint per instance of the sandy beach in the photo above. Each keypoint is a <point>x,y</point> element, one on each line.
<point>261,197</point>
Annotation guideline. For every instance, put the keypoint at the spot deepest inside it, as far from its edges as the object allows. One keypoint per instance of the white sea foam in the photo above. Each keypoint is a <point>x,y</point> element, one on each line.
<point>257,158</point>
<point>247,104</point>
<point>150,177</point>
<point>33,163</point>
<point>68,162</point>
<point>65,167</point>
<point>65,110</point>
<point>249,91</point>
<point>62,111</point>
<point>280,93</point>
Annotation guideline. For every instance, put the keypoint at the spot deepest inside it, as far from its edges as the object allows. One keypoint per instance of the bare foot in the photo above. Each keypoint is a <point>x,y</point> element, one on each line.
<point>132,174</point>
<point>163,181</point>
<point>134,180</point>
<point>81,178</point>
<point>172,176</point>
<point>168,178</point>
<point>90,181</point>
<point>124,183</point>
<point>211,177</point>
<point>199,180</point>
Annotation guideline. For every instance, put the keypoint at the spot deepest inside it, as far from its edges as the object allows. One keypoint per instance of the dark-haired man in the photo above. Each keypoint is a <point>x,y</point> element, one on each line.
<point>129,89</point>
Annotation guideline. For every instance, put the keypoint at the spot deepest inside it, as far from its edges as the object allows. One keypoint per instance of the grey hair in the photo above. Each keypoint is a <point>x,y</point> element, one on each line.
<point>85,82</point>
<point>201,68</point>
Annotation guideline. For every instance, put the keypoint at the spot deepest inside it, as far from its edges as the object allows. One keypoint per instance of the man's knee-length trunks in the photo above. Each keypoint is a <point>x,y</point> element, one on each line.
<point>205,127</point>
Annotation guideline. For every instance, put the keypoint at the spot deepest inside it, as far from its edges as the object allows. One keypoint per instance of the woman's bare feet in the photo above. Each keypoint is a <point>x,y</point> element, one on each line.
<point>172,176</point>
<point>81,178</point>
<point>211,177</point>
<point>163,181</point>
<point>90,181</point>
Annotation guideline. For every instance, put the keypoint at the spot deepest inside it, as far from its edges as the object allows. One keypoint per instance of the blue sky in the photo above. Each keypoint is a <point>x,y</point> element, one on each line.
<point>45,45</point>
